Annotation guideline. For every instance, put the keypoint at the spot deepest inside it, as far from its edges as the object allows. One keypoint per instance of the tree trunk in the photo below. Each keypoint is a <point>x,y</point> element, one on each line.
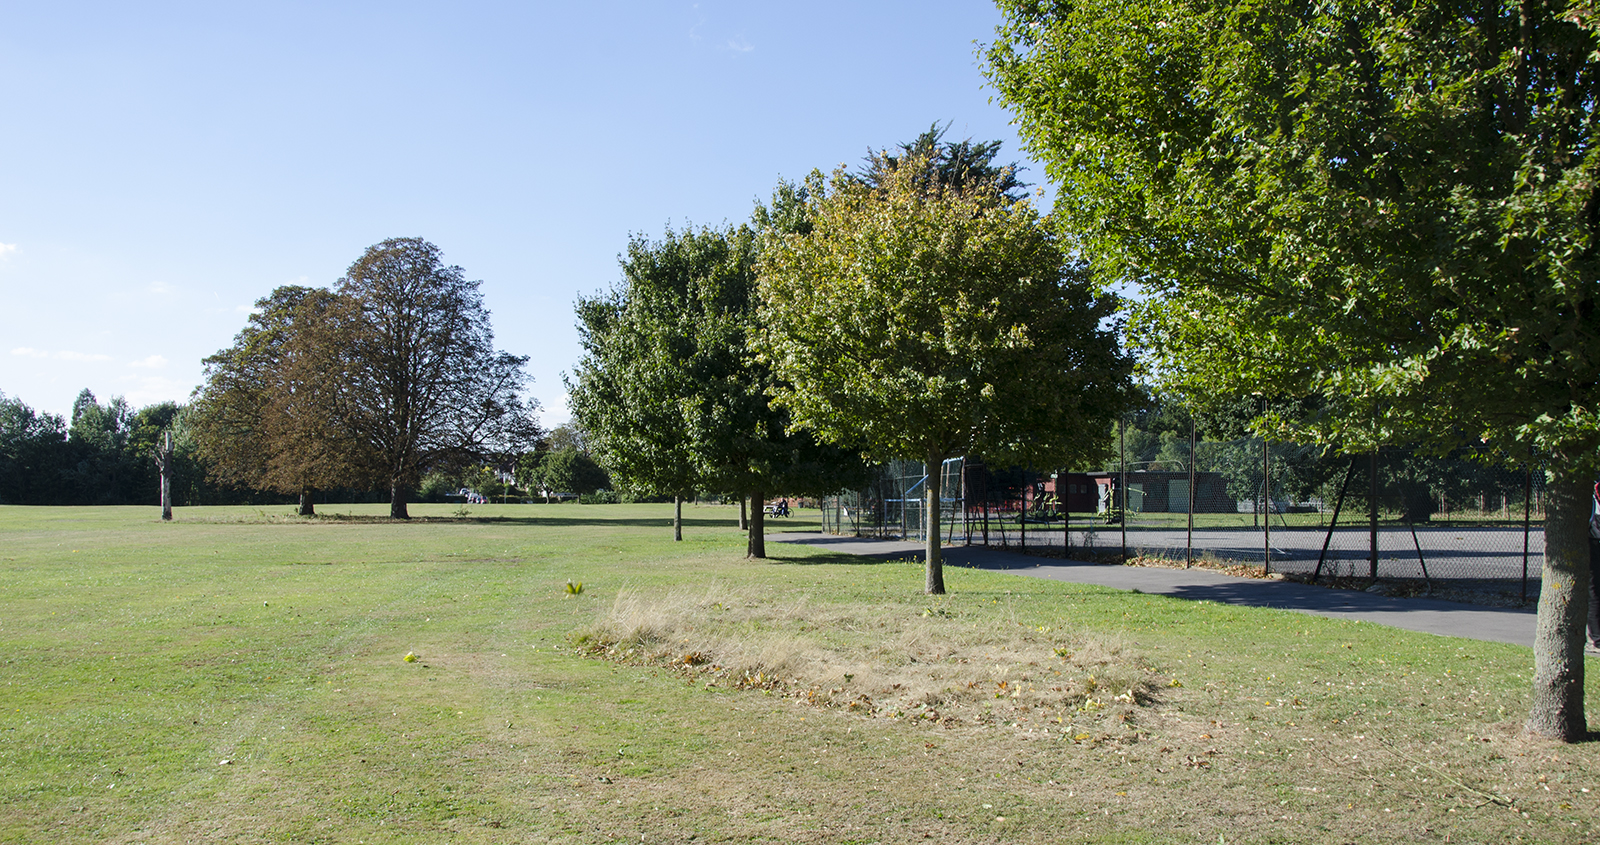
<point>166,488</point>
<point>933,554</point>
<point>744,521</point>
<point>164,464</point>
<point>307,507</point>
<point>757,542</point>
<point>1556,711</point>
<point>677,518</point>
<point>397,500</point>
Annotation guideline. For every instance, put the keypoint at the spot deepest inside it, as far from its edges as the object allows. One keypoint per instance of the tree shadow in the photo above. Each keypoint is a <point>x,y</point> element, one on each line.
<point>531,521</point>
<point>835,559</point>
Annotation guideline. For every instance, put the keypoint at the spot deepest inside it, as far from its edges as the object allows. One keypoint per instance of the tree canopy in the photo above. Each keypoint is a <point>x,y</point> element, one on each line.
<point>671,396</point>
<point>267,415</point>
<point>919,319</point>
<point>1388,206</point>
<point>423,385</point>
<point>391,374</point>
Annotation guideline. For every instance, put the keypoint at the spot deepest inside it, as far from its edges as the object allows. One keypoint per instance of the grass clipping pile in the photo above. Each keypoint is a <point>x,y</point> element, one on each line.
<point>931,666</point>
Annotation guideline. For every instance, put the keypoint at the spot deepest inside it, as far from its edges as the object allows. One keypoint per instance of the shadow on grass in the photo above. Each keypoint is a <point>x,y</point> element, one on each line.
<point>471,519</point>
<point>838,559</point>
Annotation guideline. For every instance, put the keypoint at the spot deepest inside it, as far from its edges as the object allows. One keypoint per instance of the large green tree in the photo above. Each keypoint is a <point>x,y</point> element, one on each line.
<point>627,391</point>
<point>421,384</point>
<point>267,416</point>
<point>1391,206</point>
<point>917,319</point>
<point>671,396</point>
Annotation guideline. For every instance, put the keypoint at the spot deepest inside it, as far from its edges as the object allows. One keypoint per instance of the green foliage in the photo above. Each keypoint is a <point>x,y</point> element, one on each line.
<point>565,471</point>
<point>1390,207</point>
<point>928,323</point>
<point>935,164</point>
<point>670,397</point>
<point>32,454</point>
<point>920,319</point>
<point>436,486</point>
<point>104,457</point>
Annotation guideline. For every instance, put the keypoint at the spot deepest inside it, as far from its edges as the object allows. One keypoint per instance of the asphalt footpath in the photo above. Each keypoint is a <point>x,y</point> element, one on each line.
<point>1448,619</point>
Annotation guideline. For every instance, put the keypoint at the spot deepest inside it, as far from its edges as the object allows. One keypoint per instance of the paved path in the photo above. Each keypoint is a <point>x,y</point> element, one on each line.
<point>1451,619</point>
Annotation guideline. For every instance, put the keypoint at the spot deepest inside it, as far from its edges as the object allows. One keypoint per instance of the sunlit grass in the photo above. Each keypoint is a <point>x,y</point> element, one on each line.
<point>241,675</point>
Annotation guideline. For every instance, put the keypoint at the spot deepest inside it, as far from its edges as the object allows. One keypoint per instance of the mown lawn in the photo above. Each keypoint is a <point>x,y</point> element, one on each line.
<point>238,676</point>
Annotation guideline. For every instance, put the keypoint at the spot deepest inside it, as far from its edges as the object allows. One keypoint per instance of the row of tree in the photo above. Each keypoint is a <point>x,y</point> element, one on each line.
<point>1390,207</point>
<point>918,307</point>
<point>101,455</point>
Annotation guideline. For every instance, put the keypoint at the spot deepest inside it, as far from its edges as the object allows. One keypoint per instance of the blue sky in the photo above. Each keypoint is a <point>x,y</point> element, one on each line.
<point>167,164</point>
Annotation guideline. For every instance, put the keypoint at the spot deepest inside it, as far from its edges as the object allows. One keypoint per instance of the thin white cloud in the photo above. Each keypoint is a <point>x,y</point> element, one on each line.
<point>244,309</point>
<point>7,249</point>
<point>30,352</point>
<point>694,31</point>
<point>161,288</point>
<point>739,45</point>
<point>154,362</point>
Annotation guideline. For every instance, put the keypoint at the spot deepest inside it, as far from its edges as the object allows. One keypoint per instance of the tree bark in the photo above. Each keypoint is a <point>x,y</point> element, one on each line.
<point>1556,711</point>
<point>307,507</point>
<point>397,500</point>
<point>933,555</point>
<point>744,521</point>
<point>756,546</point>
<point>164,464</point>
<point>677,518</point>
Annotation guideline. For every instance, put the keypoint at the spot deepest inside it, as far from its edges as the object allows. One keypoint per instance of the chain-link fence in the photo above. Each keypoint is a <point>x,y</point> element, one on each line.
<point>1457,522</point>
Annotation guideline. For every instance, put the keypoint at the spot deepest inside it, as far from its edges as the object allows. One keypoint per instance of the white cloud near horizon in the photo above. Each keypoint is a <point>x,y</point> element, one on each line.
<point>154,362</point>
<point>30,352</point>
<point>7,249</point>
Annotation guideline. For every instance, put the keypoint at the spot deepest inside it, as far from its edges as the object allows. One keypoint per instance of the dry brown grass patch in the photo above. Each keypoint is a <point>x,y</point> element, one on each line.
<point>930,665</point>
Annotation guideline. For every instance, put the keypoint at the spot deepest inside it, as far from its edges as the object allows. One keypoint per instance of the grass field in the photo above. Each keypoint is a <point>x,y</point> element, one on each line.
<point>239,676</point>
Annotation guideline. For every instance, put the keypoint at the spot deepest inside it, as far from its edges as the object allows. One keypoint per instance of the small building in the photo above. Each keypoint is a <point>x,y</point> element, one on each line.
<point>1164,492</point>
<point>1076,489</point>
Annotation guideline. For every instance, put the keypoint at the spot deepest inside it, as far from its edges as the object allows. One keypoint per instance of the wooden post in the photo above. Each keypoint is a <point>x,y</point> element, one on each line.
<point>163,458</point>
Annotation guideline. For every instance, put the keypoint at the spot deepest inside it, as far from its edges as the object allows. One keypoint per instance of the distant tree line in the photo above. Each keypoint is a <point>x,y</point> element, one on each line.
<point>101,455</point>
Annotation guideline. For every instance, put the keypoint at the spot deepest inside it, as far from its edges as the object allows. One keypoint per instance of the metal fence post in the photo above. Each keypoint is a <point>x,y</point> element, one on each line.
<point>1373,515</point>
<point>1188,542</point>
<point>1527,522</point>
<point>1122,485</point>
